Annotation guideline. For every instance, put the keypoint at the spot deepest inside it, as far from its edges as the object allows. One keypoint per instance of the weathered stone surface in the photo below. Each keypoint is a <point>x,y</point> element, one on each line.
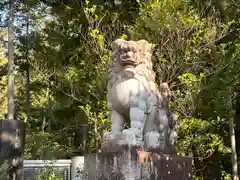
<point>110,146</point>
<point>134,164</point>
<point>12,133</point>
<point>11,138</point>
<point>90,165</point>
<point>171,167</point>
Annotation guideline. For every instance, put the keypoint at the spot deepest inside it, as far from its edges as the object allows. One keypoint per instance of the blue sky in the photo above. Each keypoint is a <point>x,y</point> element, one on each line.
<point>20,18</point>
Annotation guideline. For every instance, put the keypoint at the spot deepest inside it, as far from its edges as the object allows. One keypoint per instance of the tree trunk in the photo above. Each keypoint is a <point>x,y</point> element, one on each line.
<point>237,121</point>
<point>50,109</point>
<point>28,105</point>
<point>234,153</point>
<point>232,132</point>
<point>10,63</point>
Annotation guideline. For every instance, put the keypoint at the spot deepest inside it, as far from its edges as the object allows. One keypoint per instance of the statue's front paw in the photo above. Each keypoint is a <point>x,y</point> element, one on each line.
<point>110,136</point>
<point>154,140</point>
<point>129,137</point>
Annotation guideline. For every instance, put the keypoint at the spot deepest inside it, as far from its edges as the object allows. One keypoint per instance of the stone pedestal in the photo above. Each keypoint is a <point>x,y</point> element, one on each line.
<point>12,134</point>
<point>125,164</point>
<point>91,163</point>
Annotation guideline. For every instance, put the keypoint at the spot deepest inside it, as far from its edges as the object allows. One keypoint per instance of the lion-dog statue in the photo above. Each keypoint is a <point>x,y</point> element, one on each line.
<point>132,94</point>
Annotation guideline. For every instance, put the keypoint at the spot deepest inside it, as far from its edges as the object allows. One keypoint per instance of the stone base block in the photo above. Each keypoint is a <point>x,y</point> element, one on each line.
<point>132,164</point>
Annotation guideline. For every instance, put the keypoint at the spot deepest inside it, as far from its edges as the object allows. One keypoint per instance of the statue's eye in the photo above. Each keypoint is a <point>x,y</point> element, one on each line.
<point>134,49</point>
<point>122,50</point>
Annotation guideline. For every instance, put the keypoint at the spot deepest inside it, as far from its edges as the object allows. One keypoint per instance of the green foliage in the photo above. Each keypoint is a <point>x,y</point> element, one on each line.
<point>49,173</point>
<point>100,123</point>
<point>3,171</point>
<point>44,145</point>
<point>3,73</point>
<point>196,51</point>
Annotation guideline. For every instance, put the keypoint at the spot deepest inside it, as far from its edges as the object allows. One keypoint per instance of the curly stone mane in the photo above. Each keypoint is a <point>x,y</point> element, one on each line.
<point>141,63</point>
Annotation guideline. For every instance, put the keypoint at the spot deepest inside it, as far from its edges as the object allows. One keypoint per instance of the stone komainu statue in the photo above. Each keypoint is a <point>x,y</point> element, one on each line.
<point>133,95</point>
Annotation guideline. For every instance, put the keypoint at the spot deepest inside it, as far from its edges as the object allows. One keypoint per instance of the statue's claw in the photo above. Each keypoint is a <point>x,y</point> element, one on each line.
<point>130,138</point>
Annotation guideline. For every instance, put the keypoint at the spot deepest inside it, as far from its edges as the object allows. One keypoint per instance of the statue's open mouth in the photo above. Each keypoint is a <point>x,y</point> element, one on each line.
<point>128,63</point>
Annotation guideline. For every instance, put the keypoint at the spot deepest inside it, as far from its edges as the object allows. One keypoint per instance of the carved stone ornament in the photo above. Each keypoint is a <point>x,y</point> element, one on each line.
<point>132,95</point>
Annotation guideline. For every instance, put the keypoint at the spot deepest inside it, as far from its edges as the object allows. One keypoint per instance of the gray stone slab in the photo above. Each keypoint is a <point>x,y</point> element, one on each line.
<point>125,165</point>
